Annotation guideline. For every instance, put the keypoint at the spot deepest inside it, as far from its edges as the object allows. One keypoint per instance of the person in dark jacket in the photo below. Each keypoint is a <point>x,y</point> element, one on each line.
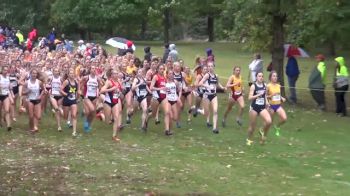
<point>148,54</point>
<point>292,71</point>
<point>317,82</point>
<point>166,53</point>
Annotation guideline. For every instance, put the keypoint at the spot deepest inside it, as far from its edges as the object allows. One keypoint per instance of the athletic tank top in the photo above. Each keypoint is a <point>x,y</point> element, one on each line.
<point>71,90</point>
<point>260,101</point>
<point>212,82</point>
<point>237,89</point>
<point>34,90</point>
<point>127,80</point>
<point>56,86</point>
<point>274,89</point>
<point>141,91</point>
<point>4,85</point>
<point>91,87</point>
<point>201,89</point>
<point>115,95</point>
<point>13,80</point>
<point>160,83</point>
<point>171,93</point>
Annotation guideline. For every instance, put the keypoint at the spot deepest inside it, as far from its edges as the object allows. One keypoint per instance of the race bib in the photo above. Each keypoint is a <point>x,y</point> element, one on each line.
<point>260,101</point>
<point>143,93</point>
<point>72,97</point>
<point>238,92</point>
<point>276,98</point>
<point>14,83</point>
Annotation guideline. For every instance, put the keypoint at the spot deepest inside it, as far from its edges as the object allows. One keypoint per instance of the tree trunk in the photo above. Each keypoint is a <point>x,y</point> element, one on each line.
<point>82,33</point>
<point>143,28</point>
<point>210,19</point>
<point>277,50</point>
<point>89,35</point>
<point>166,25</point>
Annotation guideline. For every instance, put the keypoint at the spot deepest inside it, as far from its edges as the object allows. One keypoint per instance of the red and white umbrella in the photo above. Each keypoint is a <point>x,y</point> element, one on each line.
<point>121,43</point>
<point>292,50</point>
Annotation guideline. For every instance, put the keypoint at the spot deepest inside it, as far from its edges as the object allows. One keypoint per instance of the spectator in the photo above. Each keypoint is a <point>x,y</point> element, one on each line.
<point>173,54</point>
<point>33,35</point>
<point>81,46</point>
<point>292,71</point>
<point>20,37</point>
<point>255,67</point>
<point>148,54</point>
<point>210,55</point>
<point>317,82</point>
<point>129,45</point>
<point>29,45</point>
<point>52,36</point>
<point>341,85</point>
<point>166,53</point>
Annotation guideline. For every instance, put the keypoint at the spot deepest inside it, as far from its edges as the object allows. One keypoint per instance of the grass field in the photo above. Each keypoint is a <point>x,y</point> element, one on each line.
<point>311,157</point>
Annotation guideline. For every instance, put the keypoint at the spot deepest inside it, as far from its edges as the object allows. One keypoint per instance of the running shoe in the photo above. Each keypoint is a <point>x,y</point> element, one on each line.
<point>128,119</point>
<point>209,124</point>
<point>157,122</point>
<point>168,133</point>
<point>74,134</point>
<point>223,123</point>
<point>9,128</point>
<point>115,139</point>
<point>239,121</point>
<point>69,124</point>
<point>195,112</point>
<point>59,129</point>
<point>249,142</point>
<point>86,126</point>
<point>277,130</point>
<point>216,131</point>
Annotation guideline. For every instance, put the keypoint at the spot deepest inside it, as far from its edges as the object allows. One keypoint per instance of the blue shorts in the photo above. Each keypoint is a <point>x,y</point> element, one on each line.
<point>275,107</point>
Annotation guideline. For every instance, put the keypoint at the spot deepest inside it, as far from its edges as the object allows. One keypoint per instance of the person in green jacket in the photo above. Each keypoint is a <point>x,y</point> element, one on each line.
<point>341,85</point>
<point>317,82</point>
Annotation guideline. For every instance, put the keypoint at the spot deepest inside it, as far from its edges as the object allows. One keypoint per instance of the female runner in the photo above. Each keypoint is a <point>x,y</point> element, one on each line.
<point>257,94</point>
<point>34,89</point>
<point>114,89</point>
<point>210,81</point>
<point>56,97</point>
<point>236,85</point>
<point>275,99</point>
<point>69,90</point>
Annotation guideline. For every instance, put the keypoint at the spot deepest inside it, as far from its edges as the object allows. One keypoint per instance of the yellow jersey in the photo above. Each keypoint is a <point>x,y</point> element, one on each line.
<point>188,80</point>
<point>131,69</point>
<point>274,93</point>
<point>236,89</point>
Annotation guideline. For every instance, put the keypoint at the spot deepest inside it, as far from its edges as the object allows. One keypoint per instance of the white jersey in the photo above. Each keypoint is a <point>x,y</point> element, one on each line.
<point>171,93</point>
<point>56,86</point>
<point>4,85</point>
<point>91,87</point>
<point>34,90</point>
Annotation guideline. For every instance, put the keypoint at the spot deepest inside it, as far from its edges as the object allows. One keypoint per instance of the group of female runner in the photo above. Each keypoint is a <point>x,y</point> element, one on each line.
<point>107,84</point>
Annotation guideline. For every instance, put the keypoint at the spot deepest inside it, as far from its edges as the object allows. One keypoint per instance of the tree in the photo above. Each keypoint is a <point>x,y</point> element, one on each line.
<point>164,9</point>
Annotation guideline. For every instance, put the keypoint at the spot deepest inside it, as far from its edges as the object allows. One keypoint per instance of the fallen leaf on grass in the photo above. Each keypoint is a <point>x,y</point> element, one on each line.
<point>317,175</point>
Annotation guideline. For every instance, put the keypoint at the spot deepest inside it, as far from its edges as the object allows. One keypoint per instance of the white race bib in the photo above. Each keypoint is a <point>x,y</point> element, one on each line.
<point>276,97</point>
<point>260,101</point>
